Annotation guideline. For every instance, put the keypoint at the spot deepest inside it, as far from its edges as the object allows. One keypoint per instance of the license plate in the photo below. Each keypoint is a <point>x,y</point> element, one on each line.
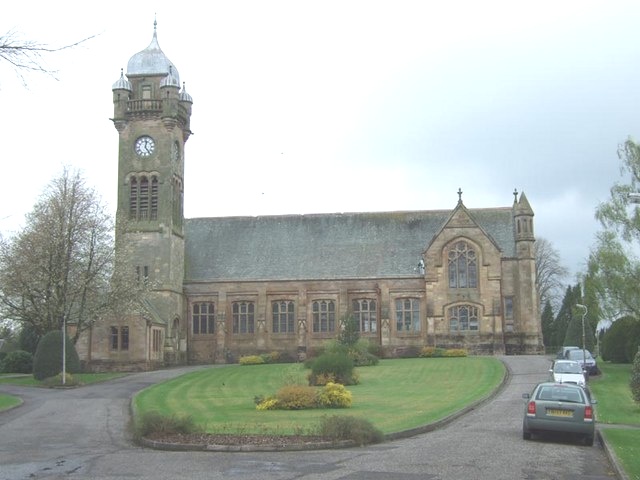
<point>554,412</point>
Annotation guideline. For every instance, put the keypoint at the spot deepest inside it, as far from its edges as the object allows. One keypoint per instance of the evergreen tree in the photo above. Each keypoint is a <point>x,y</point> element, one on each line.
<point>561,323</point>
<point>547,324</point>
<point>574,332</point>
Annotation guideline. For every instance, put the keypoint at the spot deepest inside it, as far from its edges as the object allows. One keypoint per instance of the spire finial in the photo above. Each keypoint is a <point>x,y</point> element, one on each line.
<point>459,195</point>
<point>515,195</point>
<point>155,22</point>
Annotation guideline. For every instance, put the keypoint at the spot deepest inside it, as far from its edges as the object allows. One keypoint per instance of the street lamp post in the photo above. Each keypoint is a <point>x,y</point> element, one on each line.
<point>584,353</point>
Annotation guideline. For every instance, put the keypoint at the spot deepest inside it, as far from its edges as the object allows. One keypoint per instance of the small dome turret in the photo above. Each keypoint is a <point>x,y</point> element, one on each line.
<point>184,96</point>
<point>122,83</point>
<point>170,80</point>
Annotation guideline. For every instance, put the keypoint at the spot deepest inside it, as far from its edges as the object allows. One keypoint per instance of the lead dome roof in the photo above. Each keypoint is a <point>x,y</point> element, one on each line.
<point>152,61</point>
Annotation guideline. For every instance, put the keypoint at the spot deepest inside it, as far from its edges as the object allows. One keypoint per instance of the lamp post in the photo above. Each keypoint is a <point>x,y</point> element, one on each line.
<point>584,353</point>
<point>64,350</point>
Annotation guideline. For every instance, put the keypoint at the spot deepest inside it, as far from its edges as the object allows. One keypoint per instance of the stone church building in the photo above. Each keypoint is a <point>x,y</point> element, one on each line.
<point>232,286</point>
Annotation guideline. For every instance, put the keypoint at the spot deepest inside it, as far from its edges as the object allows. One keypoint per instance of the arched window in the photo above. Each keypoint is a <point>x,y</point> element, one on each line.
<point>324,316</point>
<point>143,198</point>
<point>407,315</point>
<point>243,317</point>
<point>283,316</point>
<point>365,314</point>
<point>463,266</point>
<point>463,318</point>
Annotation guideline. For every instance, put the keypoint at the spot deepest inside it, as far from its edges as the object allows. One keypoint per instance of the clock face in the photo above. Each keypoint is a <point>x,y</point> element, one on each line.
<point>145,146</point>
<point>175,152</point>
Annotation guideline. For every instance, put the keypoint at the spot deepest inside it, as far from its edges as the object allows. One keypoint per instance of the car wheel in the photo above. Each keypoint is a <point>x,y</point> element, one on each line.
<point>588,440</point>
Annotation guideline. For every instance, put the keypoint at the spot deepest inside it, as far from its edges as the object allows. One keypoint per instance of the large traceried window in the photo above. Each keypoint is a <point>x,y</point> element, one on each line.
<point>463,266</point>
<point>408,315</point>
<point>143,198</point>
<point>283,316</point>
<point>324,316</point>
<point>243,317</point>
<point>463,318</point>
<point>203,318</point>
<point>365,314</point>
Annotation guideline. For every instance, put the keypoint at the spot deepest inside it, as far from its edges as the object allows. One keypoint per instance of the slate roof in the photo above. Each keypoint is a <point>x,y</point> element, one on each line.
<point>324,246</point>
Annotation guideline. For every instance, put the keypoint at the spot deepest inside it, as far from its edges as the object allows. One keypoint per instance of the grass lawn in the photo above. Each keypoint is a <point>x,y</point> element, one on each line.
<point>83,378</point>
<point>8,401</point>
<point>395,395</point>
<point>616,405</point>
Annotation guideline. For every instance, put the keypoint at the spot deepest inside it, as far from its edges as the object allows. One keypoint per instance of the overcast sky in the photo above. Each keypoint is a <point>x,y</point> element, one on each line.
<point>343,106</point>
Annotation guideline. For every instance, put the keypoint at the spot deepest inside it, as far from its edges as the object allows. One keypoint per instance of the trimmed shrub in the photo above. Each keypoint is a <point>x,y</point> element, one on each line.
<point>47,361</point>
<point>334,395</point>
<point>296,397</point>
<point>455,352</point>
<point>336,366</point>
<point>252,360</point>
<point>346,427</point>
<point>432,352</point>
<point>155,423</point>
<point>18,361</point>
<point>269,403</point>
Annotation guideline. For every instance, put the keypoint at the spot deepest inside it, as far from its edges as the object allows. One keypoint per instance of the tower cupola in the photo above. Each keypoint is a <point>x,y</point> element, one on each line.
<point>152,61</point>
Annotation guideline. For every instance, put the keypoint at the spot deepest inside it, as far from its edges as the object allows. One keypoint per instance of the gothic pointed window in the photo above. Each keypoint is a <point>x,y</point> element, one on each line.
<point>154,198</point>
<point>143,212</point>
<point>243,317</point>
<point>133,199</point>
<point>463,266</point>
<point>283,316</point>
<point>408,315</point>
<point>365,312</point>
<point>324,316</point>
<point>463,318</point>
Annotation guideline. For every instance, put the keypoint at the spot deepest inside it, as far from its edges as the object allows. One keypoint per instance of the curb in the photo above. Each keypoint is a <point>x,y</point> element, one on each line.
<point>613,459</point>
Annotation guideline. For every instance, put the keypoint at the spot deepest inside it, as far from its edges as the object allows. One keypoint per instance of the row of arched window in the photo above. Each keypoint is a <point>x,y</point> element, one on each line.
<point>461,318</point>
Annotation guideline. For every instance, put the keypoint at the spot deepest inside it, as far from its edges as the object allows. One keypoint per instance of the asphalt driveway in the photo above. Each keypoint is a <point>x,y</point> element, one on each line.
<point>82,433</point>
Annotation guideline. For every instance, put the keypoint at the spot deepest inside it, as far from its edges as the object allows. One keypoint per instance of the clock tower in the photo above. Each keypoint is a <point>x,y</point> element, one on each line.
<point>152,114</point>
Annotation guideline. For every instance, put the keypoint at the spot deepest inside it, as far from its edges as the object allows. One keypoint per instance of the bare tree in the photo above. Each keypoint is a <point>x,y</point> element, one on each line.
<point>60,267</point>
<point>27,55</point>
<point>549,273</point>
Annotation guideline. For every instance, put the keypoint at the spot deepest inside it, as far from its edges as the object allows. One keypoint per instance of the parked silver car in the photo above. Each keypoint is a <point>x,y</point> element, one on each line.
<point>559,407</point>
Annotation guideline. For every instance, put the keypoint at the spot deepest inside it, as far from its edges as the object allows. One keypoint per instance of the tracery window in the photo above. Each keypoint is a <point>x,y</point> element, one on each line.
<point>324,316</point>
<point>203,318</point>
<point>365,313</point>
<point>283,316</point>
<point>463,318</point>
<point>408,315</point>
<point>463,266</point>
<point>243,317</point>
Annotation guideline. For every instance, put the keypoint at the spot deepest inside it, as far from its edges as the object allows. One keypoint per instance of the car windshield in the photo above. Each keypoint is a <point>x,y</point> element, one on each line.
<point>567,368</point>
<point>560,394</point>
<point>578,355</point>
